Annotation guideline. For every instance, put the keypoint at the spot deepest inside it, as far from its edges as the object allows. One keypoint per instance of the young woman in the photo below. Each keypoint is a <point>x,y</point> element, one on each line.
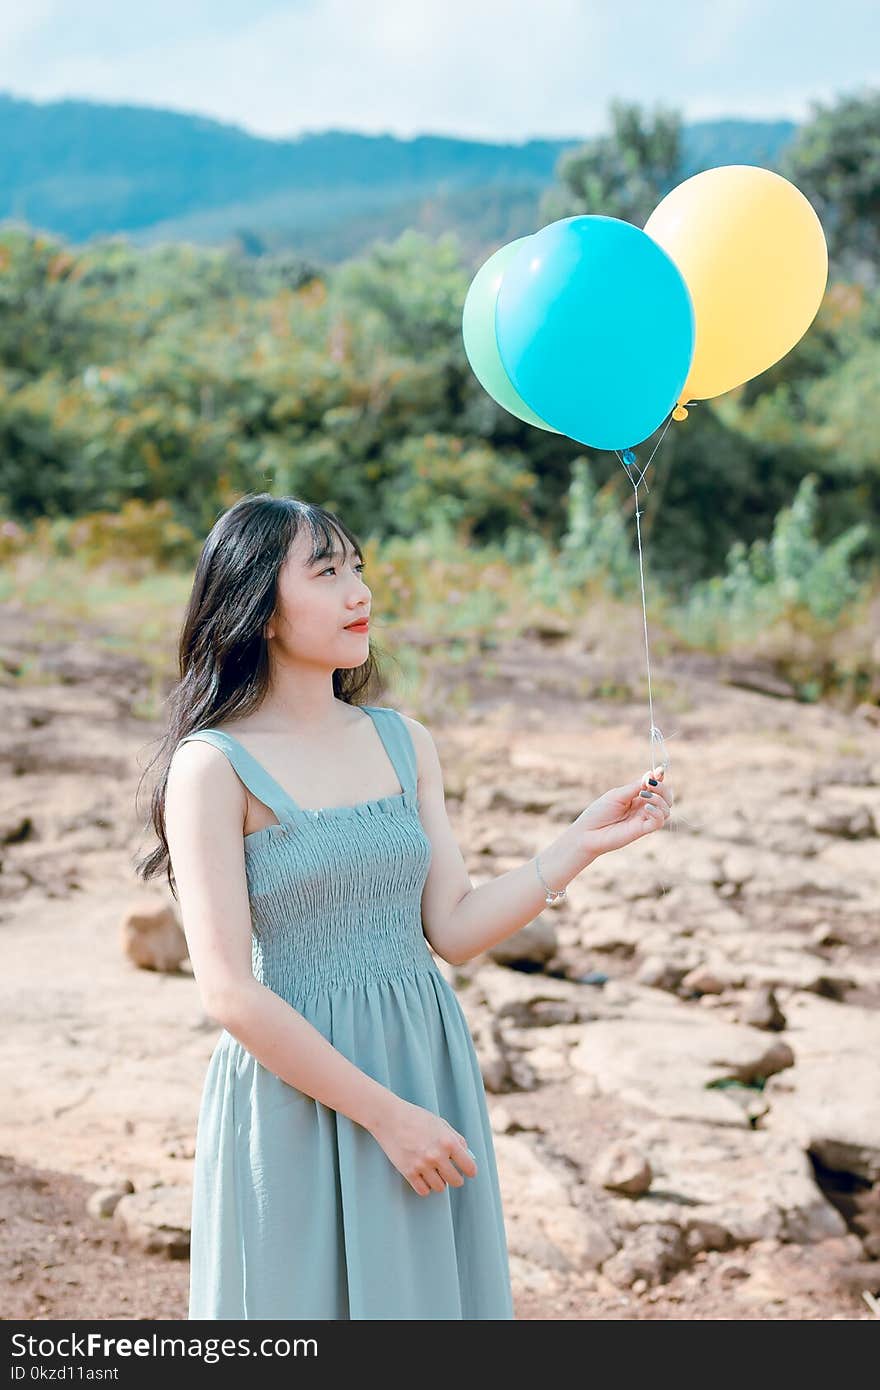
<point>344,1162</point>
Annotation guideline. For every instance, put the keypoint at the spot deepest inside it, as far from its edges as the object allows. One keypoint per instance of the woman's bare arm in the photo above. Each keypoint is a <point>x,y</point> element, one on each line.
<point>204,814</point>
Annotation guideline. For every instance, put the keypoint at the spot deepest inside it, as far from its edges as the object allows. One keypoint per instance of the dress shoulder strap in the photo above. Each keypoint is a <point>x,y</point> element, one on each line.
<point>250,772</point>
<point>395,735</point>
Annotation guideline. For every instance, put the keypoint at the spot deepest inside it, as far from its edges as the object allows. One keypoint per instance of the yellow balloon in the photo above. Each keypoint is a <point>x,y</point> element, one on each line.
<point>753,255</point>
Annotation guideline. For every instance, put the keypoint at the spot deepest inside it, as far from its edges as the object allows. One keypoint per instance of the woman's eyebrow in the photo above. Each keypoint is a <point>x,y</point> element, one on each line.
<point>329,555</point>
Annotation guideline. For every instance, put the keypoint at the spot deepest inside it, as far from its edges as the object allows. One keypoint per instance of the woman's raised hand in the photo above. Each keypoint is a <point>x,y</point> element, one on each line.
<point>626,813</point>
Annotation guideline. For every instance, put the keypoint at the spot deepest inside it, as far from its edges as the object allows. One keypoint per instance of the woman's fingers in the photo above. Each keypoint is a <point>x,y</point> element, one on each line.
<point>653,782</point>
<point>655,803</point>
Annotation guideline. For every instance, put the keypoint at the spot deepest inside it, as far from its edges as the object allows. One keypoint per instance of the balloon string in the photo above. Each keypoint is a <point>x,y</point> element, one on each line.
<point>653,452</point>
<point>627,458</point>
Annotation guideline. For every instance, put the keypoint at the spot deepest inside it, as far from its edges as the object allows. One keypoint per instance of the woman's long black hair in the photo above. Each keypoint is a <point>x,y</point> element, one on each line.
<point>223,655</point>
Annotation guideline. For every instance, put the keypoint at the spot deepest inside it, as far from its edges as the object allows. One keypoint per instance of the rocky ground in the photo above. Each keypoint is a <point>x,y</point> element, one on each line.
<point>680,1059</point>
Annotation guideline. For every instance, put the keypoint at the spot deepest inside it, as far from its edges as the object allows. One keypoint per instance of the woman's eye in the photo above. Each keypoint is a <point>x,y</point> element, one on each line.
<point>333,567</point>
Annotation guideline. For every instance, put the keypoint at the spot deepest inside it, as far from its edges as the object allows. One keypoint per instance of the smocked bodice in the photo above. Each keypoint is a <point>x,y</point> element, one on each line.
<point>335,894</point>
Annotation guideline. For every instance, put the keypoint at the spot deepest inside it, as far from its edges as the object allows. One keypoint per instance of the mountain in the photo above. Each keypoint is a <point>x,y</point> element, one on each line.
<point>82,169</point>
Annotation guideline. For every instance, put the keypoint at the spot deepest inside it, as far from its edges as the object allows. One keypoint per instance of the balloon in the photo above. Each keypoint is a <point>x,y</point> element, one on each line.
<point>753,253</point>
<point>478,331</point>
<point>595,329</point>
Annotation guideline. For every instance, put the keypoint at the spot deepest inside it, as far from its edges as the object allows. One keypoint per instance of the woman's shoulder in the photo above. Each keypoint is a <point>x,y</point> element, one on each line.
<point>417,730</point>
<point>423,743</point>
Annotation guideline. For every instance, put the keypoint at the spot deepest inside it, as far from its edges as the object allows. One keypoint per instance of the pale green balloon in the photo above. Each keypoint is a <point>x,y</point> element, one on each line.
<point>478,332</point>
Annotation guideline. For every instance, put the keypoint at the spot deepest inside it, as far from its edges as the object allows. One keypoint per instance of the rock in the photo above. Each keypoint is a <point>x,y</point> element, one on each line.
<point>706,866</point>
<point>870,713</point>
<point>104,1200</point>
<point>14,882</point>
<point>15,827</point>
<point>612,931</point>
<point>157,1220</point>
<point>151,937</point>
<point>761,1010</point>
<point>534,1278</point>
<point>702,1233</point>
<point>622,1168</point>
<point>775,1058</point>
<point>861,1274</point>
<point>523,1073</point>
<point>859,1205</point>
<point>751,675</point>
<point>723,1186</point>
<point>797,970</point>
<point>544,1226</point>
<point>704,980</point>
<point>527,798</point>
<point>551,627</point>
<point>535,943</point>
<point>493,1059</point>
<point>738,868</point>
<point>659,973</point>
<point>652,1254</point>
<point>666,1060</point>
<point>500,1119</point>
<point>850,772</point>
<point>827,934</point>
<point>831,986</point>
<point>528,1000</point>
<point>850,822</point>
<point>547,1059</point>
<point>830,1102</point>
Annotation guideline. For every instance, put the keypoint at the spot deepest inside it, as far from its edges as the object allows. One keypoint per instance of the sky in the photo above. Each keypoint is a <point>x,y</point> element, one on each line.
<point>507,70</point>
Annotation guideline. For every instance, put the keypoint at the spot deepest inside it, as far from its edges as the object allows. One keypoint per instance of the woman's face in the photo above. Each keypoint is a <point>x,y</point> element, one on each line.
<point>315,602</point>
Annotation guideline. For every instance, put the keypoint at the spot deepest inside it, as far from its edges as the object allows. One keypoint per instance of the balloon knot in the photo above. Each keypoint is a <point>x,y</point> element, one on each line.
<point>679,413</point>
<point>628,456</point>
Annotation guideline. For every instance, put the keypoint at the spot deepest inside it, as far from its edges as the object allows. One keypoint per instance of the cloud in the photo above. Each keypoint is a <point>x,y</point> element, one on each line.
<point>21,22</point>
<point>488,69</point>
<point>405,66</point>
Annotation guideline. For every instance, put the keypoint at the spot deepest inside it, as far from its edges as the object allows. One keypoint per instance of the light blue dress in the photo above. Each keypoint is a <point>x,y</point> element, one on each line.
<point>297,1212</point>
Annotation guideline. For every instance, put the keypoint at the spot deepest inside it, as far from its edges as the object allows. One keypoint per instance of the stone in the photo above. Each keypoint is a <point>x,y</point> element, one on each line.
<point>651,1254</point>
<point>830,1101</point>
<point>534,943</point>
<point>151,938</point>
<point>761,1010</point>
<point>667,1062</point>
<point>104,1200</point>
<point>544,1225</point>
<point>157,1220</point>
<point>622,1168</point>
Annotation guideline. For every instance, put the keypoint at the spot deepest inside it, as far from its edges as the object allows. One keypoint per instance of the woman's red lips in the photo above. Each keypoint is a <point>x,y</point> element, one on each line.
<point>360,626</point>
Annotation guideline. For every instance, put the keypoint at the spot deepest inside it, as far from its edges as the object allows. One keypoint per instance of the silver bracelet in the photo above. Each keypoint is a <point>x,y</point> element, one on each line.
<point>554,895</point>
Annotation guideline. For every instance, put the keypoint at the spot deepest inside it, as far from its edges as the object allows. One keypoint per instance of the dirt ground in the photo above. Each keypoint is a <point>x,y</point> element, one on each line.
<point>56,1262</point>
<point>104,1062</point>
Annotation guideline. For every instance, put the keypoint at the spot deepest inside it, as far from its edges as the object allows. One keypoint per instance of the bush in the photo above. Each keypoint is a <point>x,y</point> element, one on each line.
<point>792,577</point>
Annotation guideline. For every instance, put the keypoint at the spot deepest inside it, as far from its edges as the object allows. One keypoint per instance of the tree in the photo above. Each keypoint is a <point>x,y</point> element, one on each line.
<point>835,162</point>
<point>622,174</point>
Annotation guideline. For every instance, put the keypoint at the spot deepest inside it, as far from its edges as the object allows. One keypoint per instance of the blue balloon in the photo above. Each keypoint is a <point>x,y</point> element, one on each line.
<point>595,328</point>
